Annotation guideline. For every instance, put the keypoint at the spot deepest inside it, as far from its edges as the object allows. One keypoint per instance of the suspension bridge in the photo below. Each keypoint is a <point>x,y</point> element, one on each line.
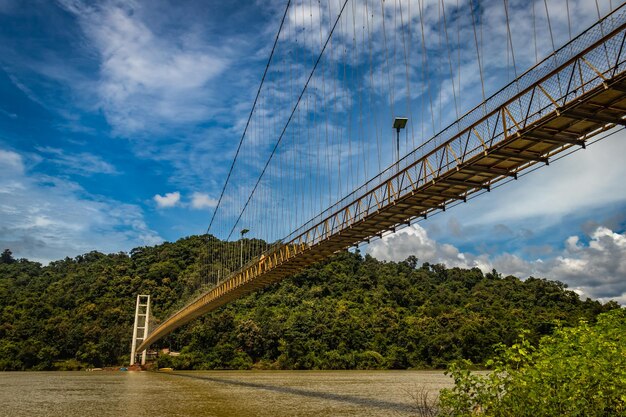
<point>312,174</point>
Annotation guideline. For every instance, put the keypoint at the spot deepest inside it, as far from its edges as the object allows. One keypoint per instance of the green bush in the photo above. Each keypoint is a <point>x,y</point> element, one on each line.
<point>69,365</point>
<point>240,361</point>
<point>578,371</point>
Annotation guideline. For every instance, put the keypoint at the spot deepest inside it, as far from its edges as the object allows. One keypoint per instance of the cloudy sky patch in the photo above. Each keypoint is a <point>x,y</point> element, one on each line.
<point>118,124</point>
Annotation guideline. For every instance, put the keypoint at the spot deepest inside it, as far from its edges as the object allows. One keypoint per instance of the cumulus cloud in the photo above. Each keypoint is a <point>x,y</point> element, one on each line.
<point>83,163</point>
<point>414,240</point>
<point>202,201</point>
<point>199,201</point>
<point>46,218</point>
<point>595,269</point>
<point>167,200</point>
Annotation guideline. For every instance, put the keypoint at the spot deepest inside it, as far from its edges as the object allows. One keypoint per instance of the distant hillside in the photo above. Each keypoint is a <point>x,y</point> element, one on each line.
<point>348,312</point>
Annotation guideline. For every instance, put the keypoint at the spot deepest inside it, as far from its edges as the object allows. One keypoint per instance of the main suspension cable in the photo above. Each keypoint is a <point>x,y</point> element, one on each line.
<point>243,135</point>
<point>295,107</point>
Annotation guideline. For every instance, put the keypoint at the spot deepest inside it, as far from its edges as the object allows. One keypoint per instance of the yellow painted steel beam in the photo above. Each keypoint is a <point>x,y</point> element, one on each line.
<point>527,135</point>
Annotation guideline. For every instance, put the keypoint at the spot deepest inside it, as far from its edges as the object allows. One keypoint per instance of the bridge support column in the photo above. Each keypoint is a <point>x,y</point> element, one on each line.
<point>141,327</point>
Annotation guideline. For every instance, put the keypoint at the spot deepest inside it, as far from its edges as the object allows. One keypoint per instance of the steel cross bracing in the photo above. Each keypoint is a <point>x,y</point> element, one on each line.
<point>576,93</point>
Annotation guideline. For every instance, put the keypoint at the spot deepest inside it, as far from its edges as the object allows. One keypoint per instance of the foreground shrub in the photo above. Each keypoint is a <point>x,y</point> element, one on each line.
<point>578,371</point>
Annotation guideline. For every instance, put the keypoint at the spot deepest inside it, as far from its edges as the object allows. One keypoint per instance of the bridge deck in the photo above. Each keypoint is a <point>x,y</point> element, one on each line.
<point>571,99</point>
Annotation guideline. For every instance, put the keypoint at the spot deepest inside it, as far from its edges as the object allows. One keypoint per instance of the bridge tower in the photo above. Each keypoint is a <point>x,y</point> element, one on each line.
<point>140,328</point>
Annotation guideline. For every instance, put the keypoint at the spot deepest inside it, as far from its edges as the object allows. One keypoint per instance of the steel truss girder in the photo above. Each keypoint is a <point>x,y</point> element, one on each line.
<point>523,156</point>
<point>564,105</point>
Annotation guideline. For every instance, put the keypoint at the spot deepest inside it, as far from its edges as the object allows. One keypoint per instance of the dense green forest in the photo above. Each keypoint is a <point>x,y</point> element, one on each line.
<point>349,312</point>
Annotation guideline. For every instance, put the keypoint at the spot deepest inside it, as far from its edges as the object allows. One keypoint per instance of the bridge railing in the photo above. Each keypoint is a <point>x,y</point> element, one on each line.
<point>581,64</point>
<point>584,63</point>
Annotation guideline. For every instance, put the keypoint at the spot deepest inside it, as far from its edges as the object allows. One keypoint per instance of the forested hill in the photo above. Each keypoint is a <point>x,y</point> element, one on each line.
<point>348,312</point>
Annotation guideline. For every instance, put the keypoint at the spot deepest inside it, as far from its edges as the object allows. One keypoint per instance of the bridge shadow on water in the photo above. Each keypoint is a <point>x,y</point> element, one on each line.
<point>366,402</point>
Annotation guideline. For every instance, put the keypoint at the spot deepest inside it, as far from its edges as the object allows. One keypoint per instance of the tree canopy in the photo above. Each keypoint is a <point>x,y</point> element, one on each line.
<point>7,257</point>
<point>349,312</point>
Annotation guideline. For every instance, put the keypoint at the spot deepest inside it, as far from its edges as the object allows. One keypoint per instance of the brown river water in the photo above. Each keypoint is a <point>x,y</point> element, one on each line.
<point>217,393</point>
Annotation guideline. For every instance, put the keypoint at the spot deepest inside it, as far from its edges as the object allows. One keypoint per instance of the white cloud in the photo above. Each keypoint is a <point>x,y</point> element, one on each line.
<point>198,201</point>
<point>202,201</point>
<point>82,163</point>
<point>596,269</point>
<point>592,177</point>
<point>8,114</point>
<point>414,240</point>
<point>26,90</point>
<point>11,161</point>
<point>147,79</point>
<point>46,218</point>
<point>167,200</point>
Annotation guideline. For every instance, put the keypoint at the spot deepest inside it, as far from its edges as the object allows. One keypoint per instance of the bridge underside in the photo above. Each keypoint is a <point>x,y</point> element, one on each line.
<point>522,134</point>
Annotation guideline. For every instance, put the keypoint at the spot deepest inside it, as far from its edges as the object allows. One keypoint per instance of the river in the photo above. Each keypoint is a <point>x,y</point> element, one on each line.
<point>217,393</point>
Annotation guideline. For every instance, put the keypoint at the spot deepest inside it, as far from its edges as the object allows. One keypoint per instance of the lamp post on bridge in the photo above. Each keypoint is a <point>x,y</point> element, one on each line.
<point>399,123</point>
<point>243,232</point>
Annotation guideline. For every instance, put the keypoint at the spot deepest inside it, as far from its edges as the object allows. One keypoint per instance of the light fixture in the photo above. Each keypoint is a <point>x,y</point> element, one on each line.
<point>243,232</point>
<point>399,123</point>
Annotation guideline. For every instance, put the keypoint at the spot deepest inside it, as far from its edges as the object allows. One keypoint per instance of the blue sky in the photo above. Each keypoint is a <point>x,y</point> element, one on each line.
<point>118,123</point>
<point>108,108</point>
